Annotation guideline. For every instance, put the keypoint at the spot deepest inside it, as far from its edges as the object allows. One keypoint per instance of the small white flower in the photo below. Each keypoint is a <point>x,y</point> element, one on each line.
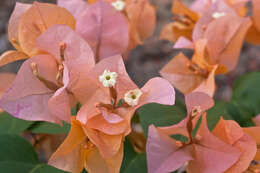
<point>132,97</point>
<point>195,111</point>
<point>118,5</point>
<point>108,79</point>
<point>218,15</point>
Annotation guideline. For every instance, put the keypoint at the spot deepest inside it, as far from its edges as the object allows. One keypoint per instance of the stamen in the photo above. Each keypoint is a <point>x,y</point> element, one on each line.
<point>59,75</point>
<point>102,105</point>
<point>118,5</point>
<point>132,97</point>
<point>197,70</point>
<point>108,79</point>
<point>47,83</point>
<point>14,41</point>
<point>63,46</point>
<point>184,20</point>
<point>34,68</point>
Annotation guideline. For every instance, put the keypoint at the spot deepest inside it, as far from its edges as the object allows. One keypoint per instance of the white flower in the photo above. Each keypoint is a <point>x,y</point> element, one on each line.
<point>132,97</point>
<point>218,15</point>
<point>108,79</point>
<point>195,111</point>
<point>118,5</point>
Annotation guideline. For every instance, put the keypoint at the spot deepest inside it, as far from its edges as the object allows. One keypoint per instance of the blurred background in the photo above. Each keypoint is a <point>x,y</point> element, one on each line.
<point>145,61</point>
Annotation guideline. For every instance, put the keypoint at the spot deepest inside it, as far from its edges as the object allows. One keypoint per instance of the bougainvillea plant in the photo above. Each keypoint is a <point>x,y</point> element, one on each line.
<point>72,107</point>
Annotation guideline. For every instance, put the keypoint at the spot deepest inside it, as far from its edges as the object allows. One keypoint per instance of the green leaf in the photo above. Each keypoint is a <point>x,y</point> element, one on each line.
<point>214,114</point>
<point>160,115</point>
<point>129,154</point>
<point>15,167</point>
<point>138,164</point>
<point>16,148</point>
<point>239,114</point>
<point>245,102</point>
<point>246,93</point>
<point>11,125</point>
<point>50,128</point>
<point>43,168</point>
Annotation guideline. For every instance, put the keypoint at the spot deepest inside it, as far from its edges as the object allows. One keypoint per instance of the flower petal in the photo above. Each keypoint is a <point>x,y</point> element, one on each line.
<point>183,42</point>
<point>96,163</point>
<point>70,154</point>
<point>108,145</point>
<point>180,76</point>
<point>75,7</point>
<point>77,51</point>
<point>247,146</point>
<point>96,88</point>
<point>38,19</point>
<point>208,86</point>
<point>6,81</point>
<point>157,90</point>
<point>161,150</point>
<point>99,123</point>
<point>28,97</point>
<point>200,99</point>
<point>13,24</point>
<point>11,56</point>
<point>98,25</point>
<point>211,154</point>
<point>228,131</point>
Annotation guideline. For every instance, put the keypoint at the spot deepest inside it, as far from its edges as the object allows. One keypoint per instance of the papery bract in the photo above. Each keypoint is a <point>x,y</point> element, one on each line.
<point>254,31</point>
<point>202,153</point>
<point>6,80</point>
<point>186,18</point>
<point>230,132</point>
<point>140,15</point>
<point>191,75</point>
<point>254,133</point>
<point>201,6</point>
<point>97,98</point>
<point>216,42</point>
<point>142,19</point>
<point>75,7</point>
<point>78,152</point>
<point>183,25</point>
<point>27,23</point>
<point>104,28</point>
<point>225,35</point>
<point>106,121</point>
<point>41,90</point>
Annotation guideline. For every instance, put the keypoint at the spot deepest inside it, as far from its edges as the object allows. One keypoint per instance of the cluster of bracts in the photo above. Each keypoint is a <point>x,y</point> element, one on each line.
<point>75,53</point>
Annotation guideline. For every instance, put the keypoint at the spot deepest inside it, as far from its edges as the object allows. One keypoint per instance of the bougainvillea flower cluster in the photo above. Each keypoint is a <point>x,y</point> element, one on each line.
<point>226,149</point>
<point>74,55</point>
<point>216,38</point>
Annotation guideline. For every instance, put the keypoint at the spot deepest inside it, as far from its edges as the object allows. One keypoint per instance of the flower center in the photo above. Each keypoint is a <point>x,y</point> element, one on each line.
<point>108,77</point>
<point>133,96</point>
